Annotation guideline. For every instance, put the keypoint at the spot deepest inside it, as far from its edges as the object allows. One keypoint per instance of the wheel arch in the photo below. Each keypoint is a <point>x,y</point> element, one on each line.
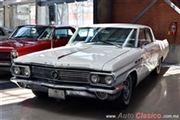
<point>134,77</point>
<point>121,78</point>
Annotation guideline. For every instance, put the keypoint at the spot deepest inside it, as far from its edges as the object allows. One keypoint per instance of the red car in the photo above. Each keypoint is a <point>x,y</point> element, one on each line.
<point>31,38</point>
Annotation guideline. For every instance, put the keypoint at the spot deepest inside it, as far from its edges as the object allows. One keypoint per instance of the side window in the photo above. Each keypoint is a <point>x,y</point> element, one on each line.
<point>45,35</point>
<point>70,33</point>
<point>148,35</point>
<point>62,33</point>
<point>145,37</point>
<point>141,38</point>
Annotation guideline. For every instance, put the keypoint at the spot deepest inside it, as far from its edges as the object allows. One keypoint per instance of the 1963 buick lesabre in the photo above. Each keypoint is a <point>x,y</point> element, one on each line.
<point>103,61</point>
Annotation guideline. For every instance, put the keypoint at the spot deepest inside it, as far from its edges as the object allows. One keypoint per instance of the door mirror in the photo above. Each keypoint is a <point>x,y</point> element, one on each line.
<point>145,42</point>
<point>58,37</point>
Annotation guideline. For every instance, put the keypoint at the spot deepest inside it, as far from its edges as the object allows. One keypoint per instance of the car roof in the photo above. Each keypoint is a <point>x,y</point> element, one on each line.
<point>121,25</point>
<point>55,26</point>
<point>59,26</point>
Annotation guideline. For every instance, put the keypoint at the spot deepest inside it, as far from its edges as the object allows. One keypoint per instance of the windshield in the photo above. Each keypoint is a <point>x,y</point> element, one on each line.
<point>35,32</point>
<point>107,36</point>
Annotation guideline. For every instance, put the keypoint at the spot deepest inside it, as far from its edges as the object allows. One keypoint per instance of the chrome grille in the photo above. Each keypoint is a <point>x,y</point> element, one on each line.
<point>5,56</point>
<point>65,75</point>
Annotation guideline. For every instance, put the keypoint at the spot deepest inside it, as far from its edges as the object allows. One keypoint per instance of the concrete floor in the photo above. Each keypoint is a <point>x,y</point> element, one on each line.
<point>159,96</point>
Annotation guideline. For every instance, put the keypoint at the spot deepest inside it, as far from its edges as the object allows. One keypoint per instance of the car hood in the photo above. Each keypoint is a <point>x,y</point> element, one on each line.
<point>79,57</point>
<point>16,43</point>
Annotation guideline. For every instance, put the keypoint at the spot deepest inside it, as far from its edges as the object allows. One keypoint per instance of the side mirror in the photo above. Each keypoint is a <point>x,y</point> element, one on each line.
<point>145,42</point>
<point>58,37</point>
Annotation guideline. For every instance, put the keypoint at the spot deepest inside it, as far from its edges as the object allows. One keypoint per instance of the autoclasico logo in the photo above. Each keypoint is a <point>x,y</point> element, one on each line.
<point>140,115</point>
<point>148,116</point>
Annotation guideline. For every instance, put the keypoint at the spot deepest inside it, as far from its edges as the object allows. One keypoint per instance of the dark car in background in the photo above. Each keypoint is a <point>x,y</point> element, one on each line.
<point>32,38</point>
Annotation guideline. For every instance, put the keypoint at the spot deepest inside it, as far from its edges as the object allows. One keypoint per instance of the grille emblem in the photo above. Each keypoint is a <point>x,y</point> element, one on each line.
<point>55,75</point>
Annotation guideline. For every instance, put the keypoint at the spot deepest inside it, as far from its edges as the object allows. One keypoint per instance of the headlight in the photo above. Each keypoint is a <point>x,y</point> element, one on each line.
<point>109,80</point>
<point>21,71</point>
<point>26,71</point>
<point>14,54</point>
<point>94,78</point>
<point>17,70</point>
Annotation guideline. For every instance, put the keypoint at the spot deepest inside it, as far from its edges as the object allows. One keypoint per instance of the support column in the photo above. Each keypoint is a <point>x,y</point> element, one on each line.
<point>41,15</point>
<point>102,11</point>
<point>7,16</point>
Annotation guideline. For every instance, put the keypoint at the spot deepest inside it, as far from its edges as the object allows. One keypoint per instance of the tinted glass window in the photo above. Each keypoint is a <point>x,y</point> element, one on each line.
<point>35,32</point>
<point>148,35</point>
<point>107,36</point>
<point>85,34</point>
<point>145,37</point>
<point>62,33</point>
<point>141,38</point>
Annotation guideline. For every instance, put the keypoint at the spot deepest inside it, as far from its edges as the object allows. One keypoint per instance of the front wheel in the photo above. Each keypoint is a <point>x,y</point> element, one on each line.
<point>123,100</point>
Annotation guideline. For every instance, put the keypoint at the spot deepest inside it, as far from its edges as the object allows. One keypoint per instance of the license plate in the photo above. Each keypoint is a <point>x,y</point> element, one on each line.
<point>56,93</point>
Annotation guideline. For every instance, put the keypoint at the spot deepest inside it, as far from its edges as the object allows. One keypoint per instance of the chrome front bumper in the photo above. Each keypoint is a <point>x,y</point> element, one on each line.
<point>71,90</point>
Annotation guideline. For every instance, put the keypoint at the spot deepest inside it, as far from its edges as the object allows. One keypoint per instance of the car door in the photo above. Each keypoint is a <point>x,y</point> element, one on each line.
<point>44,41</point>
<point>154,48</point>
<point>61,36</point>
<point>146,55</point>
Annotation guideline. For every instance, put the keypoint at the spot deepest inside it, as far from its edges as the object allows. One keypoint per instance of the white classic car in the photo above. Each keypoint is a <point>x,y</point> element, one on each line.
<point>103,61</point>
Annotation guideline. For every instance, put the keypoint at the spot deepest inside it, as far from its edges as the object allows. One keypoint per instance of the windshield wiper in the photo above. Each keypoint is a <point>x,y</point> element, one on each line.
<point>110,43</point>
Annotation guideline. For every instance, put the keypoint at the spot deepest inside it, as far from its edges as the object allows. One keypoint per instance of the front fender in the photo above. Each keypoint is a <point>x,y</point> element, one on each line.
<point>122,77</point>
